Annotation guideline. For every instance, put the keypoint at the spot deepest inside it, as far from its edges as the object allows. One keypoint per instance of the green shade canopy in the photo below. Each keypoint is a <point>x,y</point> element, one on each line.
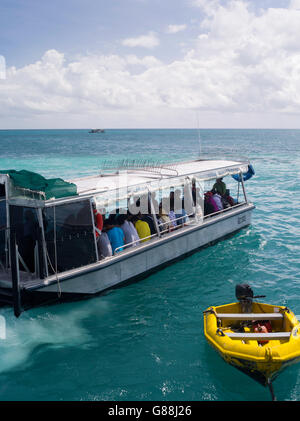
<point>52,187</point>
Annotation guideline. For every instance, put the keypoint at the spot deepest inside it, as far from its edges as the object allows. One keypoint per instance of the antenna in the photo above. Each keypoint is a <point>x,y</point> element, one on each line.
<point>199,137</point>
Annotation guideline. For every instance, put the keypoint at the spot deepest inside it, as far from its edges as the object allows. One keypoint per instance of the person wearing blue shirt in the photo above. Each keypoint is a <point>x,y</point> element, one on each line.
<point>116,238</point>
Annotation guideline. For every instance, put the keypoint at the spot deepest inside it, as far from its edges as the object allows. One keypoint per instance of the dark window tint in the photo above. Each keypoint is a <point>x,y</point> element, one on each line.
<point>24,223</point>
<point>75,242</point>
<point>2,190</point>
<point>2,230</point>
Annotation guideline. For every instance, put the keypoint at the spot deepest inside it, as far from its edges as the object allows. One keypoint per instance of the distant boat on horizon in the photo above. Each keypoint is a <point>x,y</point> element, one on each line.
<point>97,131</point>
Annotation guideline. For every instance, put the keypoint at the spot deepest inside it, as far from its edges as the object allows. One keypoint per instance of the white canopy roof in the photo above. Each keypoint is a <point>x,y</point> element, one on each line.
<point>130,177</point>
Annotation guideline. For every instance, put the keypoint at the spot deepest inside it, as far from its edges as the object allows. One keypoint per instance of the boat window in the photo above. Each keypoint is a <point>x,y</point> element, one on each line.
<point>2,190</point>
<point>3,233</point>
<point>24,222</point>
<point>69,236</point>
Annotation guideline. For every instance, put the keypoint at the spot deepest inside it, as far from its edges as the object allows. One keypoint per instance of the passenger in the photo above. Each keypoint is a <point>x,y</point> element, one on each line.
<point>142,228</point>
<point>172,217</point>
<point>195,193</point>
<point>103,243</point>
<point>98,220</point>
<point>218,200</point>
<point>113,217</point>
<point>171,200</point>
<point>228,199</point>
<point>171,213</point>
<point>116,236</point>
<point>220,187</point>
<point>150,221</point>
<point>208,206</point>
<point>178,208</point>
<point>163,220</point>
<point>209,200</point>
<point>130,233</point>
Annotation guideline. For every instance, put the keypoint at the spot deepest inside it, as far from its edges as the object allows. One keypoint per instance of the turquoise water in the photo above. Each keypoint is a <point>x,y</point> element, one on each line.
<point>145,341</point>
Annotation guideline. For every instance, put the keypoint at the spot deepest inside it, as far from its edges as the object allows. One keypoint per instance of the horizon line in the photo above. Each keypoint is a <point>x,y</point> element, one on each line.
<point>164,128</point>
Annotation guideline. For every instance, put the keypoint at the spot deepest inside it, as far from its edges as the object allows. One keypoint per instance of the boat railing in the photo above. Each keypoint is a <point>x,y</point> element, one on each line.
<point>174,228</point>
<point>156,167</point>
<point>224,210</point>
<point>149,237</point>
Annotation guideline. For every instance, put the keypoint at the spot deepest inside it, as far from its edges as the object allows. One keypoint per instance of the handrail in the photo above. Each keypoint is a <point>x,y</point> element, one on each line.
<point>138,165</point>
<point>224,210</point>
<point>177,219</point>
<point>184,223</point>
<point>141,240</point>
<point>150,236</point>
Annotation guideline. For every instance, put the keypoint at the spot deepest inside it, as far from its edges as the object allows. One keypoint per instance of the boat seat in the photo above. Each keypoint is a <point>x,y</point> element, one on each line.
<point>250,316</point>
<point>258,336</point>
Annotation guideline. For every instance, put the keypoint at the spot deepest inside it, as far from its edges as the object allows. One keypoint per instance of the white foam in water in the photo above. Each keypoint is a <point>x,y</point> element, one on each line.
<point>59,329</point>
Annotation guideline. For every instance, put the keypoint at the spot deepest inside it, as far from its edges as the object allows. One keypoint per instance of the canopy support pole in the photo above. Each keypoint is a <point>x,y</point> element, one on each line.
<point>244,190</point>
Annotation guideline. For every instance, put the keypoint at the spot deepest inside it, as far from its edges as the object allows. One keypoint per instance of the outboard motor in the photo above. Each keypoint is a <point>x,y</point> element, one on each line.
<point>244,294</point>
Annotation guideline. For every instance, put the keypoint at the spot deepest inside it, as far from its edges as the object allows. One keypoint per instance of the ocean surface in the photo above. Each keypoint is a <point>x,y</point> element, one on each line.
<point>145,341</point>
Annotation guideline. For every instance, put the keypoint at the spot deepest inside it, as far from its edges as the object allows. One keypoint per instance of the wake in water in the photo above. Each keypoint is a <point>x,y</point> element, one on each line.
<point>55,327</point>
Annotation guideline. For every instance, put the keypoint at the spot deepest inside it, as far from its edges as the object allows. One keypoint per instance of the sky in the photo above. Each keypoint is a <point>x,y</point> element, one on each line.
<point>149,64</point>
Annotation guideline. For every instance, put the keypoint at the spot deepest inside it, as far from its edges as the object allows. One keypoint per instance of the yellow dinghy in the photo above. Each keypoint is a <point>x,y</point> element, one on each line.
<point>258,339</point>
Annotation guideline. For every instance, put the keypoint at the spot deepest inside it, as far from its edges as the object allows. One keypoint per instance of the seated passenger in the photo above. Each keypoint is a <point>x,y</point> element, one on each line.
<point>116,237</point>
<point>150,221</point>
<point>218,200</point>
<point>142,228</point>
<point>130,233</point>
<point>181,217</point>
<point>163,220</point>
<point>171,200</point>
<point>172,217</point>
<point>178,208</point>
<point>103,243</point>
<point>210,202</point>
<point>227,199</point>
<point>220,187</point>
<point>195,192</point>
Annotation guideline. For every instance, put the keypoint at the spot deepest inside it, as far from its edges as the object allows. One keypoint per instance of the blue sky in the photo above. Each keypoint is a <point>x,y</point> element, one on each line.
<point>149,63</point>
<point>30,27</point>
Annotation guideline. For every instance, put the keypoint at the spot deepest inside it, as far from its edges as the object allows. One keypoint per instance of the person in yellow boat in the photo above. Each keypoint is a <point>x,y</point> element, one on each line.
<point>142,228</point>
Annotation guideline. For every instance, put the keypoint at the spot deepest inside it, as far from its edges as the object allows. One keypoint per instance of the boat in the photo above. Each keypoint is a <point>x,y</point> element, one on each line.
<point>259,339</point>
<point>48,244</point>
<point>97,131</point>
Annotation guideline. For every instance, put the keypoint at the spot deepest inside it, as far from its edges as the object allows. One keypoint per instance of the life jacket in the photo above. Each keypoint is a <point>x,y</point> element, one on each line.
<point>263,327</point>
<point>98,222</point>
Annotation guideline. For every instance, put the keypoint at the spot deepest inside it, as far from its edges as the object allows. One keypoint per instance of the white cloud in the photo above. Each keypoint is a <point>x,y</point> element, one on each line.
<point>241,63</point>
<point>147,61</point>
<point>2,68</point>
<point>149,40</point>
<point>173,29</point>
<point>295,4</point>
